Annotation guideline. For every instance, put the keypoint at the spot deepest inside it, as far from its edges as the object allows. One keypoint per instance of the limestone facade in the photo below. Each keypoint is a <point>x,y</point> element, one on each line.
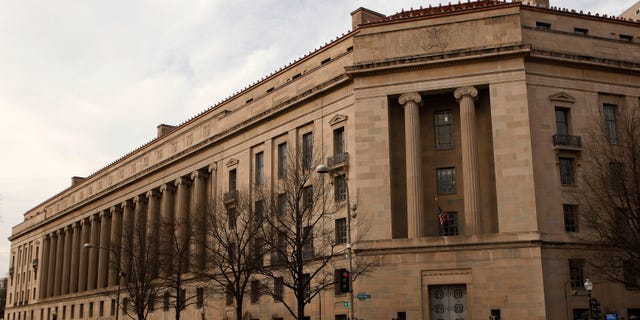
<point>450,108</point>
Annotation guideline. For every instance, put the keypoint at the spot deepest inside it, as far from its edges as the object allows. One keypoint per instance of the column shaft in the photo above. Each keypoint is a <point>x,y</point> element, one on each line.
<point>167,220</point>
<point>66,261</point>
<point>44,275</point>
<point>116,235</point>
<point>51,274</point>
<point>57,285</point>
<point>84,255</point>
<point>105,249</point>
<point>93,253</point>
<point>182,227</point>
<point>470,166</point>
<point>415,200</point>
<point>153,223</point>
<point>127,237</point>
<point>76,246</point>
<point>198,218</point>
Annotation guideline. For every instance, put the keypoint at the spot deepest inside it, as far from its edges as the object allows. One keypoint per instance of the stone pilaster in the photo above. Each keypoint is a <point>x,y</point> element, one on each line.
<point>66,260</point>
<point>76,246</point>
<point>105,249</point>
<point>84,255</point>
<point>415,201</point>
<point>92,272</point>
<point>115,241</point>
<point>472,203</point>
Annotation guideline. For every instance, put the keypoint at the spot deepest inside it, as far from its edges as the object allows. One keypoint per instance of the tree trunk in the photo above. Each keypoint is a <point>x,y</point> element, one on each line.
<point>238,309</point>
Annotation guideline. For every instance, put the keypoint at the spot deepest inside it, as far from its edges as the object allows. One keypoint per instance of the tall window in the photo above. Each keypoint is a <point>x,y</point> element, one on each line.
<point>199,297</point>
<point>255,291</point>
<point>338,141</point>
<point>282,204</point>
<point>562,121</point>
<point>278,288</point>
<point>340,187</point>
<point>233,217</point>
<point>232,180</point>
<point>446,178</point>
<point>229,297</point>
<point>609,111</point>
<point>576,273</point>
<point>282,160</point>
<point>306,278</point>
<point>570,217</point>
<point>307,150</point>
<point>449,226</point>
<point>165,301</point>
<point>566,171</point>
<point>444,130</point>
<point>307,246</point>
<point>307,197</point>
<point>259,211</point>
<point>259,179</point>
<point>341,230</point>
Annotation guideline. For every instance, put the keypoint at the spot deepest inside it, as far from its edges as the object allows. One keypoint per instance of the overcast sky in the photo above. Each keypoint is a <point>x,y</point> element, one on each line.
<point>83,83</point>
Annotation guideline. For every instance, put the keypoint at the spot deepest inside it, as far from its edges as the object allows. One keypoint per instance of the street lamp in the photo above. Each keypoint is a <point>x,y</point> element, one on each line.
<point>323,169</point>
<point>120,275</point>
<point>588,285</point>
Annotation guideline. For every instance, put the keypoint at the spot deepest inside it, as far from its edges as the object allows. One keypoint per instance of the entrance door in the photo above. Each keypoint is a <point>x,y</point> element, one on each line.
<point>448,302</point>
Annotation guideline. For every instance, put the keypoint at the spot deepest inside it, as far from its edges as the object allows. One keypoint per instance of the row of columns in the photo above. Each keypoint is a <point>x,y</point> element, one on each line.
<point>69,267</point>
<point>411,102</point>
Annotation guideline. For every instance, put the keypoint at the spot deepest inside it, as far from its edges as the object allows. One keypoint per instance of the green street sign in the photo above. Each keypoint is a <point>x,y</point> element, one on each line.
<point>346,304</point>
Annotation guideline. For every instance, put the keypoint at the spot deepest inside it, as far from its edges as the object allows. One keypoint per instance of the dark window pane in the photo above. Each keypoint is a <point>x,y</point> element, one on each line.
<point>338,141</point>
<point>446,179</point>
<point>282,160</point>
<point>307,150</point>
<point>444,130</point>
<point>562,121</point>
<point>341,230</point>
<point>566,171</point>
<point>570,217</point>
<point>576,273</point>
<point>609,111</point>
<point>259,178</point>
<point>449,226</point>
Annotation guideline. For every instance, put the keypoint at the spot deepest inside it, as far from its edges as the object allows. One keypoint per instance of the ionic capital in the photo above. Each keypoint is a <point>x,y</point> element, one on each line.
<point>105,213</point>
<point>126,204</point>
<point>464,91</point>
<point>139,199</point>
<point>180,181</point>
<point>213,167</point>
<point>152,193</point>
<point>410,96</point>
<point>115,209</point>
<point>198,174</point>
<point>167,187</point>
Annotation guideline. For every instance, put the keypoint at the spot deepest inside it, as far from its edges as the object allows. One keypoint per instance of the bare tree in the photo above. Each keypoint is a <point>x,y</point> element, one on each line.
<point>234,246</point>
<point>610,204</point>
<point>178,270</point>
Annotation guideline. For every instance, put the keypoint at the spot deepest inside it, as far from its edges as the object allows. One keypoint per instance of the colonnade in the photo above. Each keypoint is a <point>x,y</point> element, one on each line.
<point>411,102</point>
<point>177,206</point>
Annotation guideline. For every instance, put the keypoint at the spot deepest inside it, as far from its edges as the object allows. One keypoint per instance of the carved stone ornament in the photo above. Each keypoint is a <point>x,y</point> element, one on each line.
<point>463,91</point>
<point>232,162</point>
<point>411,96</point>
<point>337,119</point>
<point>562,97</point>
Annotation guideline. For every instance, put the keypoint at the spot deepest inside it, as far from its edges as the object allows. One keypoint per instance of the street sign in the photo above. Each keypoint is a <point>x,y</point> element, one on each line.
<point>363,296</point>
<point>346,304</point>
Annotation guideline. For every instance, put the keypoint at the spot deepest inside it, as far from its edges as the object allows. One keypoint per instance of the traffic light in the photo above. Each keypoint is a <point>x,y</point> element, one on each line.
<point>343,281</point>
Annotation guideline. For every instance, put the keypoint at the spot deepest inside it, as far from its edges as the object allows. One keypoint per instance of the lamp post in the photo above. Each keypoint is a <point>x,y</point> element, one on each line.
<point>323,169</point>
<point>588,285</point>
<point>120,275</point>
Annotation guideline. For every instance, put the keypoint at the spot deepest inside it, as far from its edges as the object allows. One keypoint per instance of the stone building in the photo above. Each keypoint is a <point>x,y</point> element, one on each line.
<point>481,103</point>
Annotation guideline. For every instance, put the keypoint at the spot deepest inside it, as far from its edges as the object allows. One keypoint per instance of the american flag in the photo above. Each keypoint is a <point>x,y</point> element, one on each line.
<point>443,216</point>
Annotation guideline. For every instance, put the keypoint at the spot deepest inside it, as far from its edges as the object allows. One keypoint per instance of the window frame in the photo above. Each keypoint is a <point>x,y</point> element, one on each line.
<point>443,123</point>
<point>609,115</point>
<point>282,160</point>
<point>446,180</point>
<point>307,150</point>
<point>567,171</point>
<point>576,273</point>
<point>259,168</point>
<point>570,214</point>
<point>341,231</point>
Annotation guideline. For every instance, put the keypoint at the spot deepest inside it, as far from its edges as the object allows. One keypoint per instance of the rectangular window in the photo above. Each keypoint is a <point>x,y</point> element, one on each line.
<point>543,25</point>
<point>580,31</point>
<point>233,217</point>
<point>165,301</point>
<point>609,112</point>
<point>259,211</point>
<point>229,297</point>
<point>576,273</point>
<point>306,280</point>
<point>446,179</point>
<point>449,225</point>
<point>232,180</point>
<point>282,160</point>
<point>282,204</point>
<point>566,171</point>
<point>72,313</point>
<point>255,291</point>
<point>199,297</point>
<point>124,307</point>
<point>278,289</point>
<point>307,245</point>
<point>183,298</point>
<point>570,217</point>
<point>631,275</point>
<point>151,302</point>
<point>338,141</point>
<point>340,187</point>
<point>259,170</point>
<point>341,230</point>
<point>562,121</point>
<point>307,198</point>
<point>101,309</point>
<point>81,311</point>
<point>90,309</point>
<point>307,150</point>
<point>626,37</point>
<point>444,130</point>
<point>113,308</point>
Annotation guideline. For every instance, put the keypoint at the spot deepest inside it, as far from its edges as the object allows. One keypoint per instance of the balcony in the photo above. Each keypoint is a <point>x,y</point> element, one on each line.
<point>338,160</point>
<point>565,141</point>
<point>230,197</point>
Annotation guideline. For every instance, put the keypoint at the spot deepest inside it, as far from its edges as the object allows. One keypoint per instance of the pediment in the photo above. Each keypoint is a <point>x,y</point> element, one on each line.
<point>563,97</point>
<point>337,119</point>
<point>232,162</point>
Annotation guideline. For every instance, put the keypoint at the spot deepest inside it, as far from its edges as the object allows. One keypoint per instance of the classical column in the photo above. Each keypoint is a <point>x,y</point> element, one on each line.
<point>116,235</point>
<point>127,237</point>
<point>139,226</point>
<point>472,204</point>
<point>415,202</point>
<point>153,222</point>
<point>93,252</point>
<point>44,271</point>
<point>84,255</point>
<point>182,215</point>
<point>198,220</point>
<point>57,285</point>
<point>105,248</point>
<point>167,218</point>
<point>51,274</point>
<point>76,246</point>
<point>66,261</point>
